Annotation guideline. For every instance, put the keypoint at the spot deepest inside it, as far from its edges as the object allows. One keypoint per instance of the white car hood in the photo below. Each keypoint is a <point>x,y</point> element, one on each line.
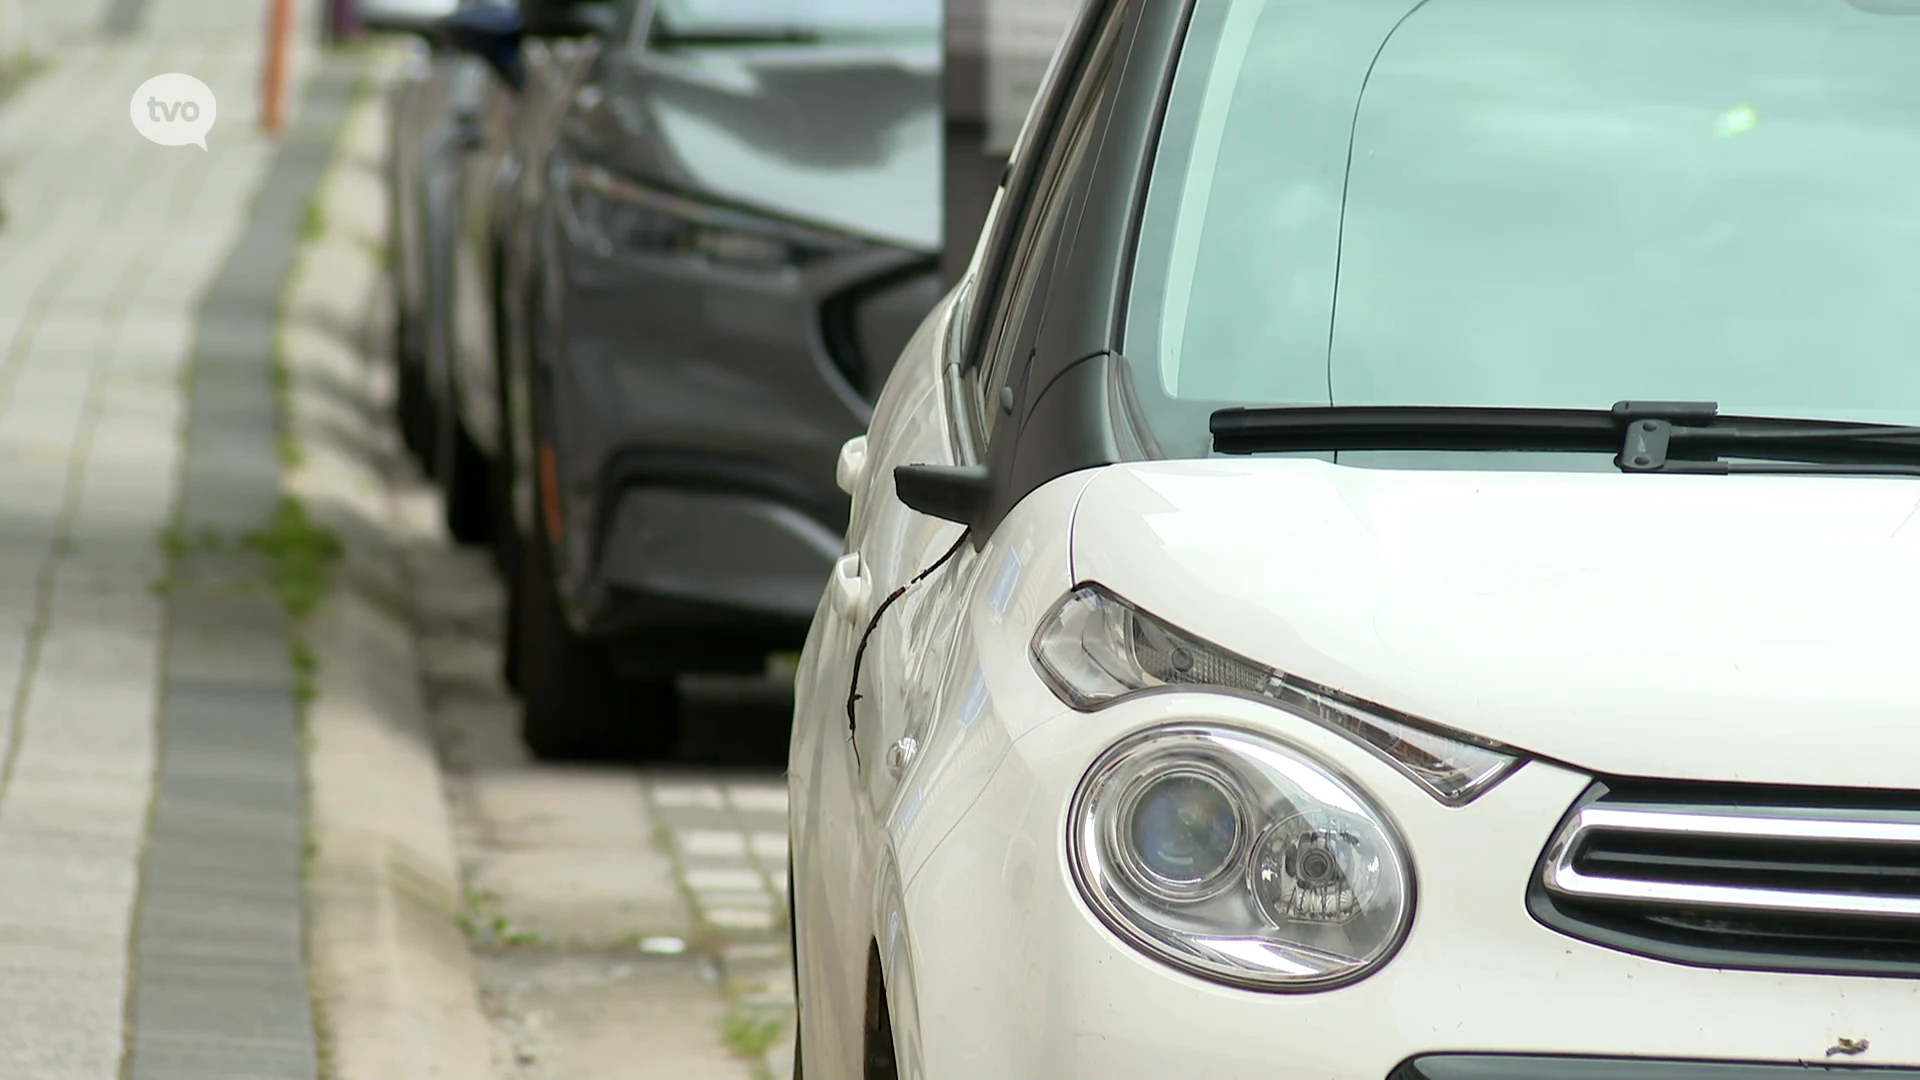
<point>1762,629</point>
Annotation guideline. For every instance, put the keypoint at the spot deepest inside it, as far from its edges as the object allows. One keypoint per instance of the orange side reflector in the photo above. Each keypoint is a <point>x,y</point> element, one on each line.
<point>550,493</point>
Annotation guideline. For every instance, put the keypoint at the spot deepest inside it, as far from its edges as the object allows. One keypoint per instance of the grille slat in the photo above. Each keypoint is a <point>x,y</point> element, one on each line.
<point>1789,881</point>
<point>1893,872</point>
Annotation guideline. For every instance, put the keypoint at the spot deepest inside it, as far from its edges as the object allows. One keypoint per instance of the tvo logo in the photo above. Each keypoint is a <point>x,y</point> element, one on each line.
<point>173,110</point>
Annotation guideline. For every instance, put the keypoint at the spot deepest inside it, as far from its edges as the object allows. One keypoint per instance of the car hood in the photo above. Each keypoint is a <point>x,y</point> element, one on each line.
<point>845,136</point>
<point>1757,629</point>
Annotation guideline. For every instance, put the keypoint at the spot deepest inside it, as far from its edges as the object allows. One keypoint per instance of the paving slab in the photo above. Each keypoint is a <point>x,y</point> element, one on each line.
<point>145,930</point>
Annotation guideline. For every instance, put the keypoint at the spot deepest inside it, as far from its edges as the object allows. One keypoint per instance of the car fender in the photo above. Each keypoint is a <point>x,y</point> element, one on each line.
<point>896,966</point>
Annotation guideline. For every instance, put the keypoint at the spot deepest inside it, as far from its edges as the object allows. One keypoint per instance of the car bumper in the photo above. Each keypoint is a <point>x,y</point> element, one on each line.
<point>704,562</point>
<point>1014,977</point>
<point>697,423</point>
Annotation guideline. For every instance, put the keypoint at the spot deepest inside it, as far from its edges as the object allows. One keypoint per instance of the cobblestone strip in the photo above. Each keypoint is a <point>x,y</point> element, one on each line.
<point>220,986</point>
<point>728,839</point>
<point>90,403</point>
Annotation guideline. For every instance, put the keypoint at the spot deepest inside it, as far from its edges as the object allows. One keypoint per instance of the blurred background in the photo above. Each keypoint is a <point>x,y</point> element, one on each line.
<point>471,404</point>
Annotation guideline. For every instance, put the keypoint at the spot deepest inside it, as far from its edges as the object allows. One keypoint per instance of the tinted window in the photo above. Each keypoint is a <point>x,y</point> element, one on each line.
<point>1556,204</point>
<point>799,18</point>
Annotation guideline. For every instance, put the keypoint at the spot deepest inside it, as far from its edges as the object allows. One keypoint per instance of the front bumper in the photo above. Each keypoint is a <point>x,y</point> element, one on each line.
<point>705,562</point>
<point>1014,977</point>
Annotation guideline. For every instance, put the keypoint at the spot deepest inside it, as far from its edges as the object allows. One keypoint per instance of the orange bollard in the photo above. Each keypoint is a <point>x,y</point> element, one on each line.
<point>273,89</point>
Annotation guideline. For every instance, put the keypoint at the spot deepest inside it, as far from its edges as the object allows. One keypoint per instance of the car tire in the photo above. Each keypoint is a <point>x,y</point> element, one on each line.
<point>409,387</point>
<point>504,529</point>
<point>461,474</point>
<point>573,707</point>
<point>510,634</point>
<point>410,411</point>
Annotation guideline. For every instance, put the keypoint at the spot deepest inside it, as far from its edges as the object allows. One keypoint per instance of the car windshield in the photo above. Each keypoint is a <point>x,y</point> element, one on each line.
<point>826,19</point>
<point>1511,203</point>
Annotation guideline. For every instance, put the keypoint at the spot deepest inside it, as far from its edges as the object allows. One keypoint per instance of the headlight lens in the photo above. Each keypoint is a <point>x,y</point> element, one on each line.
<point>1233,857</point>
<point>614,216</point>
<point>1183,832</point>
<point>1095,649</point>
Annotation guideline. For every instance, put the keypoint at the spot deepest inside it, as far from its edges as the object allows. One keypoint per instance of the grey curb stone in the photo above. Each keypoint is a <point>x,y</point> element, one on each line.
<point>220,981</point>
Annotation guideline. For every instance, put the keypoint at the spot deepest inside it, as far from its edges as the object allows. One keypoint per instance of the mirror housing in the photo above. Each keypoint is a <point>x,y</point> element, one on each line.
<point>956,493</point>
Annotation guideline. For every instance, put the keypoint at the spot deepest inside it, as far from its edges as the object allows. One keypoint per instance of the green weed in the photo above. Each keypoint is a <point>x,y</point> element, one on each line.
<point>750,1036</point>
<point>300,554</point>
<point>487,927</point>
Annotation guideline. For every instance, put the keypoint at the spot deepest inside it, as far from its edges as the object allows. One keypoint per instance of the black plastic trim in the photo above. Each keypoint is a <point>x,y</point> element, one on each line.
<point>1064,416</point>
<point>840,324</point>
<point>711,473</point>
<point>652,636</point>
<point>1590,922</point>
<point>1544,1067</point>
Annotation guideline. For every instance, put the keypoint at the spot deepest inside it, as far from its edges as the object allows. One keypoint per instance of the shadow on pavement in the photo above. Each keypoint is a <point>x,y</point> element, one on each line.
<point>726,724</point>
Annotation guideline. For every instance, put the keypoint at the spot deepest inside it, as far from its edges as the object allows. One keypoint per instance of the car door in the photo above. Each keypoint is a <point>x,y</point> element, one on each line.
<point>834,818</point>
<point>991,345</point>
<point>875,666</point>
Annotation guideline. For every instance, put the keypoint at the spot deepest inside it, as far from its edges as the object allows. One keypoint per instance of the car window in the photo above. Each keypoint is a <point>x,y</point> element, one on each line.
<point>1001,295</point>
<point>795,19</point>
<point>1018,324</point>
<point>1517,204</point>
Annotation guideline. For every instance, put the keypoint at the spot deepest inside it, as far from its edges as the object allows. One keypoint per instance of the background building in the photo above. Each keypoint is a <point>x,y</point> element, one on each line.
<point>996,53</point>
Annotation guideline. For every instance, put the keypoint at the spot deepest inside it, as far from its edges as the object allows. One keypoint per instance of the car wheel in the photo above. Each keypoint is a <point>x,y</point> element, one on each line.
<point>461,473</point>
<point>415,418</point>
<point>504,530</point>
<point>510,633</point>
<point>572,705</point>
<point>409,388</point>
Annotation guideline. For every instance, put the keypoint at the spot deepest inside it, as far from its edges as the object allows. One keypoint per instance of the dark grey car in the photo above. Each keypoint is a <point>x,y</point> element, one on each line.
<point>732,235</point>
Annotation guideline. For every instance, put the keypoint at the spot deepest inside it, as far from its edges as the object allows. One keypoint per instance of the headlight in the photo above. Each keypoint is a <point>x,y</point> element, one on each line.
<point>1095,649</point>
<point>615,216</point>
<point>1233,857</point>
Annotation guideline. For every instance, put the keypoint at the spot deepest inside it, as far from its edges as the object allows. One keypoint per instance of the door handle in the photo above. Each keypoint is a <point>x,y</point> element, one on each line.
<point>850,588</point>
<point>852,468</point>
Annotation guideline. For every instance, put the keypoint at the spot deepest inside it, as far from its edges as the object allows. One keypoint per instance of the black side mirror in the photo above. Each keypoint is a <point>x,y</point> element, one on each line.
<point>956,493</point>
<point>492,34</point>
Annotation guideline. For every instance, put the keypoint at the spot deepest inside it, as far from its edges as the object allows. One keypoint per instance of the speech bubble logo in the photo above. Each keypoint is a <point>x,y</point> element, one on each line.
<point>173,110</point>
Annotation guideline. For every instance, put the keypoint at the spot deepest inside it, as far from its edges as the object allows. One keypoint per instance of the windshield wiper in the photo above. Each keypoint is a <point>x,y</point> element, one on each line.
<point>1643,436</point>
<point>664,35</point>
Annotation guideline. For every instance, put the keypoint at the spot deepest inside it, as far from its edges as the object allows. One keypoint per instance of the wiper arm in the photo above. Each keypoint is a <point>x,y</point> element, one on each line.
<point>1643,436</point>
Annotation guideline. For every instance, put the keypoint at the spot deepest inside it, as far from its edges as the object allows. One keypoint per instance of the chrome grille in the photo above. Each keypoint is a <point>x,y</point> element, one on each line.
<point>1728,877</point>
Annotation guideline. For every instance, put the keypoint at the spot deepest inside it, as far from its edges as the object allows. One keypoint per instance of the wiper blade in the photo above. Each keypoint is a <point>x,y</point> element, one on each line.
<point>1643,436</point>
<point>697,37</point>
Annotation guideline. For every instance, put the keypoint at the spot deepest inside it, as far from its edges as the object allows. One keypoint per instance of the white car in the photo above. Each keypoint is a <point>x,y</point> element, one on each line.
<point>1398,560</point>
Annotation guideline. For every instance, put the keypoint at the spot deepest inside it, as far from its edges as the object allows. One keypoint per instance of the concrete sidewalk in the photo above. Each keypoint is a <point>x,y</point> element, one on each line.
<point>617,925</point>
<point>225,843</point>
<point>149,795</point>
